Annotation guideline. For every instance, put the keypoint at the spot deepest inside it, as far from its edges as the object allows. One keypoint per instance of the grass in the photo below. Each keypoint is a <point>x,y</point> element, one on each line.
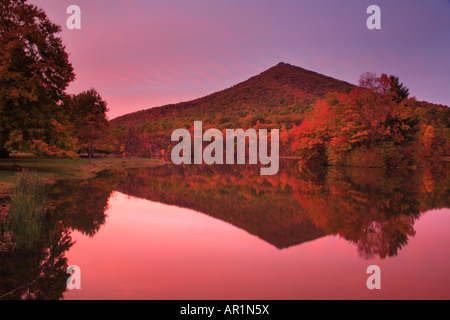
<point>27,208</point>
<point>53,168</point>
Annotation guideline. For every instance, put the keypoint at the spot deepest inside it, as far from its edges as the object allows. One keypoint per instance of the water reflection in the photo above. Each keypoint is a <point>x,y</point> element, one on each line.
<point>373,209</point>
<point>38,274</point>
<point>41,273</point>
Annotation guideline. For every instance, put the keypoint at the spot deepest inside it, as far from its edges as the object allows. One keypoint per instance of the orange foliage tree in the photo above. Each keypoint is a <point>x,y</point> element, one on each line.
<point>369,127</point>
<point>34,72</point>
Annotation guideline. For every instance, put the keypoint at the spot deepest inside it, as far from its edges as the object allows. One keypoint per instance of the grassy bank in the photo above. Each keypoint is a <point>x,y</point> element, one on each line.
<point>52,169</point>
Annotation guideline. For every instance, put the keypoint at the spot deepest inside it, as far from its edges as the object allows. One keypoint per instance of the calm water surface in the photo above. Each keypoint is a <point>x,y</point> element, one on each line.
<point>228,233</point>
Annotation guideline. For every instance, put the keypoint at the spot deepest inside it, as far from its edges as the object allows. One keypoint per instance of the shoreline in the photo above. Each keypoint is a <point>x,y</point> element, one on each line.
<point>54,169</point>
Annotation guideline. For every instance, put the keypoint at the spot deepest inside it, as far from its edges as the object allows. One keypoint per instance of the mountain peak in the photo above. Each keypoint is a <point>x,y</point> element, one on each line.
<point>284,74</point>
<point>282,89</point>
<point>283,64</point>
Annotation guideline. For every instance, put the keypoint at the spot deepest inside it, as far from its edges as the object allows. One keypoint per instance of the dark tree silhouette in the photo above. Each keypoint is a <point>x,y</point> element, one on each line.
<point>398,91</point>
<point>88,114</point>
<point>34,72</point>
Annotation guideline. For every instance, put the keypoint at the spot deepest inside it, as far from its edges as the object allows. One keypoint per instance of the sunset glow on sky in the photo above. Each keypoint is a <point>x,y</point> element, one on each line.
<point>146,53</point>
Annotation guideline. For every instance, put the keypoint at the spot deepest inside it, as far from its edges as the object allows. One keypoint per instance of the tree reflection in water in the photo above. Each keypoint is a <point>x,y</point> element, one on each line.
<point>373,208</point>
<point>41,273</point>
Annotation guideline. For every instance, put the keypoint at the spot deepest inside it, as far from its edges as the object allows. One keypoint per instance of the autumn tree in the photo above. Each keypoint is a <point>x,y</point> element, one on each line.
<point>360,127</point>
<point>34,73</point>
<point>88,115</point>
<point>384,84</point>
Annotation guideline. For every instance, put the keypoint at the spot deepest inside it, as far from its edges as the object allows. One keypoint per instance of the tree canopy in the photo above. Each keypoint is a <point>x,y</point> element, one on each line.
<point>88,116</point>
<point>34,74</point>
<point>389,85</point>
<point>373,125</point>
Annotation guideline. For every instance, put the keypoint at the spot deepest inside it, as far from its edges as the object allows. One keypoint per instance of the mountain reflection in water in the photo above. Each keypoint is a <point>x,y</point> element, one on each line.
<point>371,208</point>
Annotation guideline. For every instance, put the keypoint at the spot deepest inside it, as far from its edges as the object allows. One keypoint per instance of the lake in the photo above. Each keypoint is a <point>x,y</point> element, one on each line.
<point>225,232</point>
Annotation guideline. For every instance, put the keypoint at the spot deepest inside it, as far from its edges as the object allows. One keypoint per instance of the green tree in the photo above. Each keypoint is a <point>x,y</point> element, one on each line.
<point>398,91</point>
<point>34,73</point>
<point>88,114</point>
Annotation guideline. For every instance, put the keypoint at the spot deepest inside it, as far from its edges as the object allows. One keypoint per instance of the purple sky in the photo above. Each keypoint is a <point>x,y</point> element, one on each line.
<point>144,53</point>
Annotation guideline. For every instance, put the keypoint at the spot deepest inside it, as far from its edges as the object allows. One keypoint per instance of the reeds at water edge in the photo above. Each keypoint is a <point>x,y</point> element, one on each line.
<point>27,208</point>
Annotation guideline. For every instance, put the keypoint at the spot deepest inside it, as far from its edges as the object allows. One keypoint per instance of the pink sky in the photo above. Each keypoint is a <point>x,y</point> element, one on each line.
<point>145,53</point>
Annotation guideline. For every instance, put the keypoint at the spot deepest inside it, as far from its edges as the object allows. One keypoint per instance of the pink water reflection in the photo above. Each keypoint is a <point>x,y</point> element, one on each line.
<point>148,250</point>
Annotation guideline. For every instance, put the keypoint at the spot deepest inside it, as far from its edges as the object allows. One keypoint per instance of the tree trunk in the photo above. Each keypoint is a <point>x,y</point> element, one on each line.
<point>89,154</point>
